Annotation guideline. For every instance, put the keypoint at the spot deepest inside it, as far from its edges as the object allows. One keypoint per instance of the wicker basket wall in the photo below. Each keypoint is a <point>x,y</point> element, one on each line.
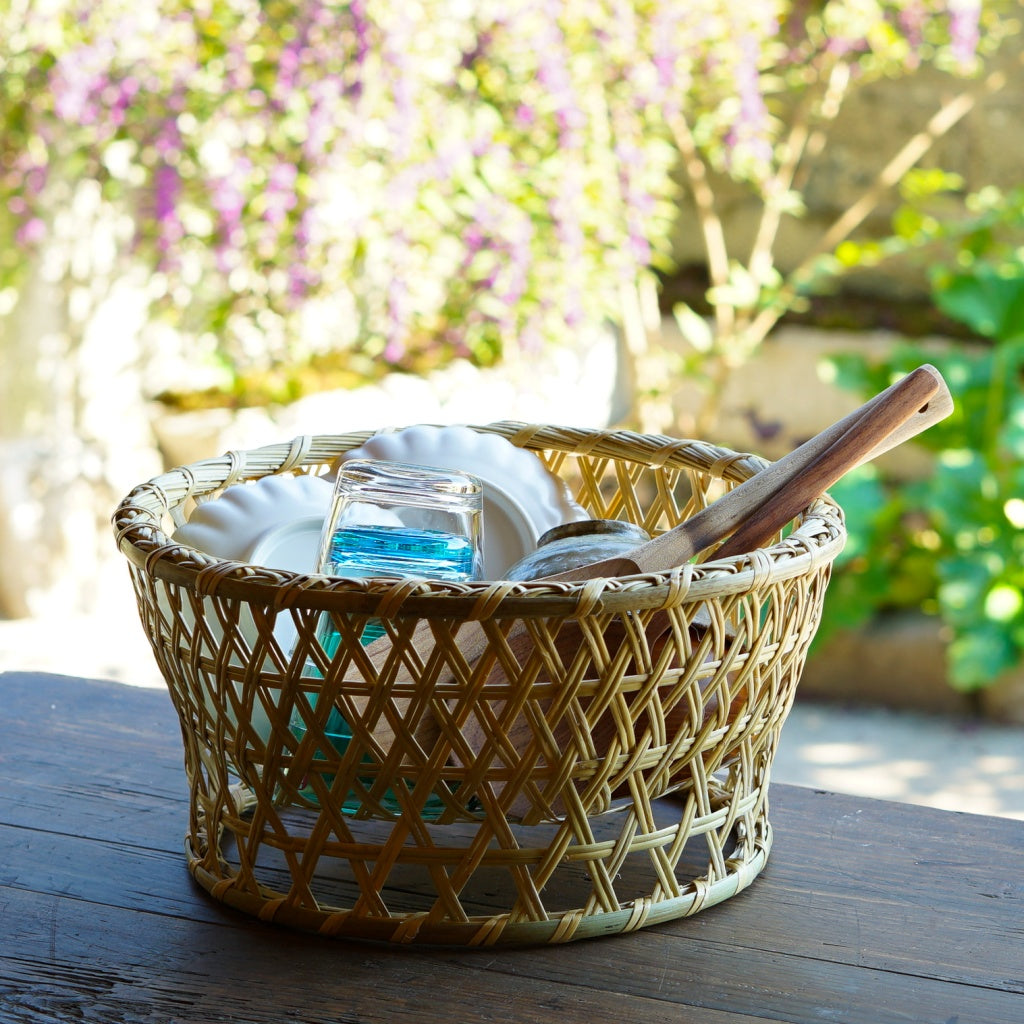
<point>584,781</point>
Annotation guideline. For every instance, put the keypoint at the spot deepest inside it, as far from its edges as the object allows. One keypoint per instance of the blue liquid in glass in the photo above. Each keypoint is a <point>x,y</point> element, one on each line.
<point>384,551</point>
<point>396,551</point>
<point>399,551</point>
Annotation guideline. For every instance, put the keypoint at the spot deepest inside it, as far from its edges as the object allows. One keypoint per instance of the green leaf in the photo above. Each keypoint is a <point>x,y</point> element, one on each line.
<point>978,657</point>
<point>861,497</point>
<point>988,300</point>
<point>925,182</point>
<point>693,327</point>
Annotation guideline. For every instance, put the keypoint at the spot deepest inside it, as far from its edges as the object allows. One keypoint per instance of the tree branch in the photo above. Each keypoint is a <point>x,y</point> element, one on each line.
<point>707,217</point>
<point>801,140</point>
<point>944,119</point>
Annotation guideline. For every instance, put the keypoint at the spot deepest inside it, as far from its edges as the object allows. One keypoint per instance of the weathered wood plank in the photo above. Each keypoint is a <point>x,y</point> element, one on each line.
<point>113,965</point>
<point>894,887</point>
<point>868,912</point>
<point>79,961</point>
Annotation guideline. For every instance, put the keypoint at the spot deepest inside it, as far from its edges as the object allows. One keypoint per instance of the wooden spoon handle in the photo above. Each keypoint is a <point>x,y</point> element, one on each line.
<point>896,414</point>
<point>851,449</point>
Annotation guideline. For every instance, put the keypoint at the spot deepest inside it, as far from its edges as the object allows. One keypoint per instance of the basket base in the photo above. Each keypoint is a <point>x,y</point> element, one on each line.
<point>420,900</point>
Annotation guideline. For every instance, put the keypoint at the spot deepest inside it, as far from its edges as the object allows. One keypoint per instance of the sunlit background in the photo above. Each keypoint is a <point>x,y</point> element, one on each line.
<point>226,223</point>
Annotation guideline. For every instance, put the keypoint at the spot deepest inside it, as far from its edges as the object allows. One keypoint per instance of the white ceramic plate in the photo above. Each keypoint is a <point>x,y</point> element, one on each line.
<point>230,526</point>
<point>274,521</point>
<point>522,498</point>
<point>290,545</point>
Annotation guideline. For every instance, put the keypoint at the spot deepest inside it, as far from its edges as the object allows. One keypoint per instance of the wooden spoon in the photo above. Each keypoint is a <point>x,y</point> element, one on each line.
<point>762,505</point>
<point>753,512</point>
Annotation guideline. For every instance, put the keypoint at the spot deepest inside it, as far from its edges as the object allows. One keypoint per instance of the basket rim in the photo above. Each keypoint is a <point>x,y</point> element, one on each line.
<point>136,521</point>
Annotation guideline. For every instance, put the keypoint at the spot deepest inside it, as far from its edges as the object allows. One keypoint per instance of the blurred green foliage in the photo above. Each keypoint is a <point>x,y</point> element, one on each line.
<point>413,182</point>
<point>953,542</point>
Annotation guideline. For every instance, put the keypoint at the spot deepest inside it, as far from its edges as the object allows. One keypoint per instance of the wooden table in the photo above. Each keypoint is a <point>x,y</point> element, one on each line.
<point>868,911</point>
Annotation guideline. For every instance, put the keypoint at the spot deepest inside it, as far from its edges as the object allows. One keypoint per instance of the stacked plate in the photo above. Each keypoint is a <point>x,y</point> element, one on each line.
<point>276,521</point>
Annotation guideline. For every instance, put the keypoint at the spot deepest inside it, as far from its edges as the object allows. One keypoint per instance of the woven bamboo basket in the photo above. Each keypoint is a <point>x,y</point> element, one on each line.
<point>636,790</point>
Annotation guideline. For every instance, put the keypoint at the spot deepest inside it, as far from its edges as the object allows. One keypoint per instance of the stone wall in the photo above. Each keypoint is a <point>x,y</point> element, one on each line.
<point>74,437</point>
<point>986,147</point>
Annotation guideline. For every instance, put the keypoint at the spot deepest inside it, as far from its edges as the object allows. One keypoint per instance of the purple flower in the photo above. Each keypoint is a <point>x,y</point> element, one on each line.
<point>325,97</point>
<point>361,25</point>
<point>525,115</point>
<point>118,97</point>
<point>554,75</point>
<point>166,185</point>
<point>77,80</point>
<point>301,281</point>
<point>31,232</point>
<point>227,197</point>
<point>289,65</point>
<point>302,278</point>
<point>279,194</point>
<point>34,178</point>
<point>912,19</point>
<point>964,20</point>
<point>748,138</point>
<point>665,56</point>
<point>403,119</point>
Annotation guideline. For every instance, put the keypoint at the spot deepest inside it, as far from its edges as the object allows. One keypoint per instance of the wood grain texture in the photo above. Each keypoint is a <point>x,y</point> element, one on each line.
<point>868,912</point>
<point>761,506</point>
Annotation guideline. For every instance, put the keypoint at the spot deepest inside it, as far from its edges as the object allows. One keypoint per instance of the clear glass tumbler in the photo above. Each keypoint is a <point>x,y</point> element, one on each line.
<point>390,519</point>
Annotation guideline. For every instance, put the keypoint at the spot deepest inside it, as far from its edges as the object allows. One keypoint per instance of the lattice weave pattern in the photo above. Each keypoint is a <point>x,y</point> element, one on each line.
<point>421,797</point>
